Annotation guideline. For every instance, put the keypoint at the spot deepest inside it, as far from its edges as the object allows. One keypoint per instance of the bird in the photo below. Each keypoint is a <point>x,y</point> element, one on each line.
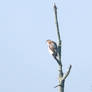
<point>52,48</point>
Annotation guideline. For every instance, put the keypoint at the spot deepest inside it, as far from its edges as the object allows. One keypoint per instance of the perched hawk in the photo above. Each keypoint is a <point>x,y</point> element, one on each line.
<point>52,47</point>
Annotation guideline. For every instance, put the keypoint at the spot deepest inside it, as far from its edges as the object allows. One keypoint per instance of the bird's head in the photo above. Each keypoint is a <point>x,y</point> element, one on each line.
<point>48,41</point>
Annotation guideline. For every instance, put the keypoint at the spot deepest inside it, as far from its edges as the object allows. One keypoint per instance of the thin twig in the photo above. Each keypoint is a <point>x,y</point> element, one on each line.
<point>59,63</point>
<point>57,26</point>
<point>67,73</point>
<point>57,86</point>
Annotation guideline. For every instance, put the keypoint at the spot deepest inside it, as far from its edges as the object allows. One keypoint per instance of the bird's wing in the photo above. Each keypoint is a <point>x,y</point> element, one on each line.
<point>53,47</point>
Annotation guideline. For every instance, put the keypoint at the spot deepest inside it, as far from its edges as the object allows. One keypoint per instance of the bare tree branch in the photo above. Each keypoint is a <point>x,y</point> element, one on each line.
<point>58,35</point>
<point>67,73</point>
<point>59,63</point>
<point>57,86</point>
<point>57,26</point>
<point>62,77</point>
<point>61,83</point>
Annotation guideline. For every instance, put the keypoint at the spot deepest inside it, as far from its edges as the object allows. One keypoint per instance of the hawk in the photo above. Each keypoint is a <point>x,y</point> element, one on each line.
<point>52,47</point>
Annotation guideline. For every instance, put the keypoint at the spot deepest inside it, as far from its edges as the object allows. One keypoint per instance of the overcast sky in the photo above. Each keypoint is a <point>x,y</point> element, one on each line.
<point>25,64</point>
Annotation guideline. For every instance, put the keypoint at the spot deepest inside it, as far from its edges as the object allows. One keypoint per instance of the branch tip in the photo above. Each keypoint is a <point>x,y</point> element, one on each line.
<point>55,6</point>
<point>70,66</point>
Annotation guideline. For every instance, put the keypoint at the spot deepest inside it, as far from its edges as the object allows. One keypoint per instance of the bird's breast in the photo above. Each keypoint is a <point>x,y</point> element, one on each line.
<point>50,51</point>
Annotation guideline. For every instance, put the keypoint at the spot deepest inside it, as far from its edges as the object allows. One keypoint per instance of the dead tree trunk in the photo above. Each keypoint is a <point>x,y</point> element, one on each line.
<point>62,76</point>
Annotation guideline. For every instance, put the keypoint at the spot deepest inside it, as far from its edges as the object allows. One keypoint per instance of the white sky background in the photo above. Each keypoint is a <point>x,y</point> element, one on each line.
<point>25,64</point>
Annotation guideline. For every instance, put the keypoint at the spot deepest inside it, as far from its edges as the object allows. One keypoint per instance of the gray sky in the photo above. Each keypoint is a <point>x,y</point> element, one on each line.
<point>25,64</point>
